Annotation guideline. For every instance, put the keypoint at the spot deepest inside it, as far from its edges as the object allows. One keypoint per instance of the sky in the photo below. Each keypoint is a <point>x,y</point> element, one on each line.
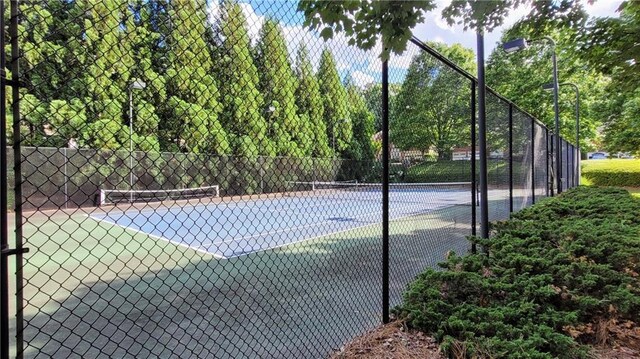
<point>434,28</point>
<point>363,67</point>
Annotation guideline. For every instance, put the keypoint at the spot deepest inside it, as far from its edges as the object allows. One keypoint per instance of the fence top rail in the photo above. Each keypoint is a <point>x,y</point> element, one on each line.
<point>422,45</point>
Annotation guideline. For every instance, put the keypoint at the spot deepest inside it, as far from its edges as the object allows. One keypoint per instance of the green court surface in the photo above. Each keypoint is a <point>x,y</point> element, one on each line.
<point>90,283</point>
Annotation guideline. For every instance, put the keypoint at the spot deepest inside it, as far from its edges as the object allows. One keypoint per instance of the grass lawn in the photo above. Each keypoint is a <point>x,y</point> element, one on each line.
<point>611,172</point>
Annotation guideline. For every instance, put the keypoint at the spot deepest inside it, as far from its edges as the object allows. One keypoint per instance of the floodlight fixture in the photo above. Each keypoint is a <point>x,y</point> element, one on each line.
<point>515,45</point>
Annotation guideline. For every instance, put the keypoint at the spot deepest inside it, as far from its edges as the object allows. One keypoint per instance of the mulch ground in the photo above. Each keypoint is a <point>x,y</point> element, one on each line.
<point>396,341</point>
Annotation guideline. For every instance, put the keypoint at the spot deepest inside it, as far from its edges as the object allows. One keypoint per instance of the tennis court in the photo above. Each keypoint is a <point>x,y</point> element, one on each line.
<point>311,210</point>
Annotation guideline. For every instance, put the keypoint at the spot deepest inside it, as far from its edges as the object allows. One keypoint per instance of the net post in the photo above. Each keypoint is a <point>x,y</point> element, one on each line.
<point>510,158</point>
<point>385,192</point>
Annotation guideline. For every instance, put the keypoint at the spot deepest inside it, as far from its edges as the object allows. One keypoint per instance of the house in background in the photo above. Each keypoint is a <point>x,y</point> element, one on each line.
<point>396,154</point>
<point>463,154</point>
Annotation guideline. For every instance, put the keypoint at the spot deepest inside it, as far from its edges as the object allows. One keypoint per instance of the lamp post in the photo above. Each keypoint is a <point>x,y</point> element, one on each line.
<point>270,110</point>
<point>519,44</point>
<point>135,85</point>
<point>577,109</point>
<point>333,130</point>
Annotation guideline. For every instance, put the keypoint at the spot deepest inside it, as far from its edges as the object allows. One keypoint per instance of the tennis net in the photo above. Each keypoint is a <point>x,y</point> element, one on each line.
<point>115,196</point>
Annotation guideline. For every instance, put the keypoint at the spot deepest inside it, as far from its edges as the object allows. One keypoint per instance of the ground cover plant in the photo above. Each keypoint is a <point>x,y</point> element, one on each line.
<point>612,172</point>
<point>555,277</point>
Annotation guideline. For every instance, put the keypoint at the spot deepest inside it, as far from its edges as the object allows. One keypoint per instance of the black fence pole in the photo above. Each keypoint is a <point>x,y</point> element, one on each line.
<point>510,158</point>
<point>4,219</point>
<point>546,162</point>
<point>385,192</point>
<point>17,174</point>
<point>533,161</point>
<point>482,139</point>
<point>474,203</point>
<point>552,168</point>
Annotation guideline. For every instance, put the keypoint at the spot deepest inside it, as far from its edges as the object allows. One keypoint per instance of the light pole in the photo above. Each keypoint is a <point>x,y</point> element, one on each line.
<point>333,130</point>
<point>519,44</point>
<point>577,109</point>
<point>270,110</point>
<point>135,85</point>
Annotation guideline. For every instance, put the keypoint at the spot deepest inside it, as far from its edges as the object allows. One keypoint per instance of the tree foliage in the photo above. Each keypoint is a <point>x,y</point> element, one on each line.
<point>243,103</point>
<point>364,22</point>
<point>310,104</point>
<point>278,84</point>
<point>520,76</point>
<point>334,97</point>
<point>193,105</point>
<point>432,106</point>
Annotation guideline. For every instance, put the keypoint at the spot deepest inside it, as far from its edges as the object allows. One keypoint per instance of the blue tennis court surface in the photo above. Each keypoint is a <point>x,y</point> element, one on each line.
<point>231,229</point>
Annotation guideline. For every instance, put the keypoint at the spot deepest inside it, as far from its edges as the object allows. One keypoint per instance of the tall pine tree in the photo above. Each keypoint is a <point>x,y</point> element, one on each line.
<point>334,97</point>
<point>242,115</point>
<point>310,106</point>
<point>361,149</point>
<point>278,86</point>
<point>108,64</point>
<point>193,107</point>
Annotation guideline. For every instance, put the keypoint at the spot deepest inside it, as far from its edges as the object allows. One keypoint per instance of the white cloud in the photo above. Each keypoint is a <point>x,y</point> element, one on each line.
<point>361,79</point>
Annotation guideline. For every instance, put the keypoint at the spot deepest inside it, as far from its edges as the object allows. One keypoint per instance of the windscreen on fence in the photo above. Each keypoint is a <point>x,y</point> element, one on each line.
<point>203,178</point>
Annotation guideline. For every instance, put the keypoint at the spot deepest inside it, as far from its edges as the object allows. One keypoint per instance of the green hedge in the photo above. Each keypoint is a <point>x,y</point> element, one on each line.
<point>460,171</point>
<point>614,172</point>
<point>566,261</point>
<point>441,171</point>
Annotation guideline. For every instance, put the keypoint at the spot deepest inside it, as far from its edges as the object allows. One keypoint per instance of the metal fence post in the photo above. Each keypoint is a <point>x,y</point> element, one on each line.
<point>533,161</point>
<point>510,158</point>
<point>482,138</point>
<point>546,156</point>
<point>4,219</point>
<point>17,169</point>
<point>385,192</point>
<point>473,164</point>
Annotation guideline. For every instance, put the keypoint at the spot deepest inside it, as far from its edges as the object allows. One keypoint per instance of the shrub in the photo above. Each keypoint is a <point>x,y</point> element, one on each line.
<point>614,172</point>
<point>566,261</point>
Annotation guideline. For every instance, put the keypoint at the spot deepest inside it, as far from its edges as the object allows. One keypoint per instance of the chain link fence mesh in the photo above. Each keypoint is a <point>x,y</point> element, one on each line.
<point>202,179</point>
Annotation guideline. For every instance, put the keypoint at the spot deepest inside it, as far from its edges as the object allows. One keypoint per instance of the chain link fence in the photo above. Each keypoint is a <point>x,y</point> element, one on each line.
<point>203,179</point>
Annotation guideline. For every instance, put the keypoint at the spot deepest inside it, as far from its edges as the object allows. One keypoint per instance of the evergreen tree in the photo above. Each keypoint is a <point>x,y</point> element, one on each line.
<point>243,103</point>
<point>191,84</point>
<point>334,97</point>
<point>361,149</point>
<point>50,44</point>
<point>108,65</point>
<point>278,85</point>
<point>310,106</point>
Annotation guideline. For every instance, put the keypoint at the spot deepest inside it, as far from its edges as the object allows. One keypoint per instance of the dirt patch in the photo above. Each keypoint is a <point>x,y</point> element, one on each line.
<point>396,341</point>
<point>391,341</point>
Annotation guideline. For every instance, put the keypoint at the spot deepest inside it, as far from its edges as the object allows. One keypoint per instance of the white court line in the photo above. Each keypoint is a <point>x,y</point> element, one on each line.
<point>220,256</point>
<point>226,240</point>
<point>426,210</point>
<point>155,236</point>
<point>333,233</point>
